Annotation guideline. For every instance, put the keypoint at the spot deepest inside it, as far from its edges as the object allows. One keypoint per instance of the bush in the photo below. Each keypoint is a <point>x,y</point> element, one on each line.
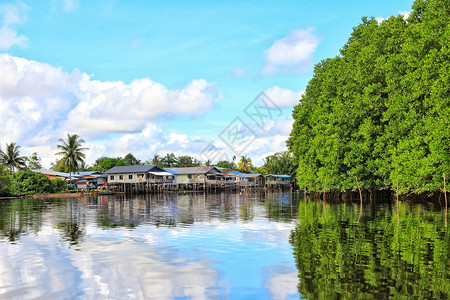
<point>25,182</point>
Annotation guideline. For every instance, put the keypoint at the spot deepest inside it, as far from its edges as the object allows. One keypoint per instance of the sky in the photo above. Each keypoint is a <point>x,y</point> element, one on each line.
<point>210,79</point>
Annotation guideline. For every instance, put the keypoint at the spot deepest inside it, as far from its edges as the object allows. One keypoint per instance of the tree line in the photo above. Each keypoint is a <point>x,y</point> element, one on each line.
<point>17,178</point>
<point>380,111</point>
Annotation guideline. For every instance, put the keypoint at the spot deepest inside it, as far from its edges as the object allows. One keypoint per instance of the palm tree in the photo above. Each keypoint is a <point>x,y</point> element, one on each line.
<point>156,160</point>
<point>245,164</point>
<point>11,158</point>
<point>72,152</point>
<point>170,160</point>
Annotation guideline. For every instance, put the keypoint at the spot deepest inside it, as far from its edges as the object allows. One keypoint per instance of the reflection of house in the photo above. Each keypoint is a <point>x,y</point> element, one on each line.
<point>273,180</point>
<point>53,174</point>
<point>196,175</point>
<point>138,174</point>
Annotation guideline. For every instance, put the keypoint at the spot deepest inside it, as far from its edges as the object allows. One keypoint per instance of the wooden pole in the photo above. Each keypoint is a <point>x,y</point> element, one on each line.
<point>398,214</point>
<point>305,201</point>
<point>445,196</point>
<point>324,191</point>
<point>360,199</point>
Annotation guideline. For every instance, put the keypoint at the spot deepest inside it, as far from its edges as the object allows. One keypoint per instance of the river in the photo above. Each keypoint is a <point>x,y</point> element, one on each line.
<point>220,246</point>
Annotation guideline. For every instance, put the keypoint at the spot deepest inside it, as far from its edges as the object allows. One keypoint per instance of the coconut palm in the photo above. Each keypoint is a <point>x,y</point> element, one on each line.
<point>170,160</point>
<point>72,153</point>
<point>245,164</point>
<point>11,157</point>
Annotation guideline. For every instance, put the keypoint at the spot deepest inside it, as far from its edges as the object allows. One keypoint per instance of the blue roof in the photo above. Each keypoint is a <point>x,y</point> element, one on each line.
<point>235,172</point>
<point>171,172</point>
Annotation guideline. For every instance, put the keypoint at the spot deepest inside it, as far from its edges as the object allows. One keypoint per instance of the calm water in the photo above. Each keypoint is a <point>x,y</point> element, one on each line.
<point>225,246</point>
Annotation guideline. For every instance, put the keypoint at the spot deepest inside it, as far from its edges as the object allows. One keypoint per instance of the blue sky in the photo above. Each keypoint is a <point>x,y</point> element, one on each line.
<point>152,77</point>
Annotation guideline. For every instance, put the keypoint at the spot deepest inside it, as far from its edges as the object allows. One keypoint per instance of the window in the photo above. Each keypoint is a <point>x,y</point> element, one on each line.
<point>140,176</point>
<point>130,176</point>
<point>121,177</point>
<point>111,177</point>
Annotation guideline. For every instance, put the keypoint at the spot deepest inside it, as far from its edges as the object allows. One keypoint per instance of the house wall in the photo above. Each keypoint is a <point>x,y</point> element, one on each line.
<point>182,179</point>
<point>137,177</point>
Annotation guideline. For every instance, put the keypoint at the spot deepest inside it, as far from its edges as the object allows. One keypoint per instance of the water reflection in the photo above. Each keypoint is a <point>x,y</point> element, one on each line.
<point>224,245</point>
<point>381,253</point>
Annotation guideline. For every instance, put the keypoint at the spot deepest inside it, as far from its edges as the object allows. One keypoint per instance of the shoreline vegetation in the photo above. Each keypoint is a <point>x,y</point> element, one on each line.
<point>379,113</point>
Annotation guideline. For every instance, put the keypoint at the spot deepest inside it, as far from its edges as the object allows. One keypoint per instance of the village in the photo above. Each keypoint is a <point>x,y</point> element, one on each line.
<point>140,179</point>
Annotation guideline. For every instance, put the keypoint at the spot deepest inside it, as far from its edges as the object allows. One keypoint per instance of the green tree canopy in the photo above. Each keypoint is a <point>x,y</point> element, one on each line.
<point>380,111</point>
<point>103,163</point>
<point>245,164</point>
<point>226,164</point>
<point>34,162</point>
<point>130,160</point>
<point>12,158</point>
<point>280,163</point>
<point>72,152</point>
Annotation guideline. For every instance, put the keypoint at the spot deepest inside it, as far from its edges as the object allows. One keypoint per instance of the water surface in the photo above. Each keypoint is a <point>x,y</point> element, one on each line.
<point>226,246</point>
<point>222,246</point>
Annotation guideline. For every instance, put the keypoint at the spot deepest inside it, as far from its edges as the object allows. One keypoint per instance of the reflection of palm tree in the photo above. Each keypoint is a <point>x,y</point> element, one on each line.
<point>72,152</point>
<point>245,164</point>
<point>11,158</point>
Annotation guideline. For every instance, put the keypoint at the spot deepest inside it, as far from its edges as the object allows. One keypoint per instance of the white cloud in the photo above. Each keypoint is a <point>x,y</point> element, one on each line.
<point>40,103</point>
<point>283,97</point>
<point>292,53</point>
<point>11,16</point>
<point>404,14</point>
<point>120,107</point>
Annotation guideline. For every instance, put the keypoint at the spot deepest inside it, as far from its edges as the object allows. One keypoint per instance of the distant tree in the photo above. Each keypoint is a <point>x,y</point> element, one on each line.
<point>169,161</point>
<point>72,153</point>
<point>103,163</point>
<point>58,166</point>
<point>280,163</point>
<point>245,164</point>
<point>156,160</point>
<point>5,186</point>
<point>34,162</point>
<point>260,170</point>
<point>187,161</point>
<point>208,163</point>
<point>11,157</point>
<point>130,160</point>
<point>226,165</point>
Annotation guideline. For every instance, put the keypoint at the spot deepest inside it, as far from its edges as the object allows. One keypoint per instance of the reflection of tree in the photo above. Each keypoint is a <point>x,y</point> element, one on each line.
<point>72,225</point>
<point>72,231</point>
<point>372,259</point>
<point>19,216</point>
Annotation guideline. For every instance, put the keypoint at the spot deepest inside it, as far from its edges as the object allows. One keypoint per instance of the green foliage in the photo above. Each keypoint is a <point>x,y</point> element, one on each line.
<point>34,162</point>
<point>381,110</point>
<point>169,161</point>
<point>4,182</point>
<point>72,152</point>
<point>11,157</point>
<point>103,164</point>
<point>280,163</point>
<point>227,165</point>
<point>130,160</point>
<point>245,164</point>
<point>25,182</point>
<point>187,161</point>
